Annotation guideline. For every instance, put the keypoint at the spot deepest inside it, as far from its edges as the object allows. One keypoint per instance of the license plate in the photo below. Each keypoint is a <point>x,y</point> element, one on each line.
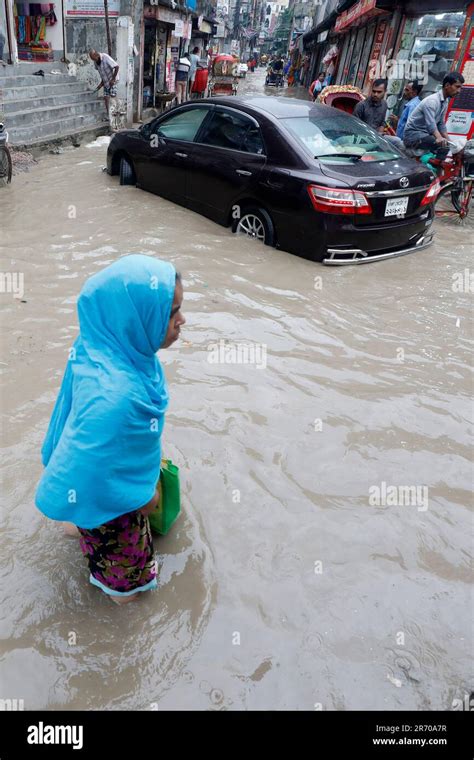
<point>396,206</point>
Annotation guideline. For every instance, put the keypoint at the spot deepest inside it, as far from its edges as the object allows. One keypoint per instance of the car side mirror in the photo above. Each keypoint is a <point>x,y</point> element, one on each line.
<point>145,130</point>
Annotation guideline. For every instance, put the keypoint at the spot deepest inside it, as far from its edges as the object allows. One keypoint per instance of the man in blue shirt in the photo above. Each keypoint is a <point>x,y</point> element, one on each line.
<point>411,95</point>
<point>425,127</point>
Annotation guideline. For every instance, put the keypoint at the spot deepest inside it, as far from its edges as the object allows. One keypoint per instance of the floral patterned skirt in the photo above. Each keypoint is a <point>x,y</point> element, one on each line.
<point>120,555</point>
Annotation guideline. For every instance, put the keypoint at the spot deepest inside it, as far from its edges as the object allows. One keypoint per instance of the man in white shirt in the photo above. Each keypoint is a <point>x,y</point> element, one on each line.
<point>426,128</point>
<point>194,58</point>
<point>182,74</point>
<point>108,70</point>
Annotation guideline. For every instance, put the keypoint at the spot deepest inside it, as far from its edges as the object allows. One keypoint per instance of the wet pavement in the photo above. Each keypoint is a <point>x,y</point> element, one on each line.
<point>294,579</point>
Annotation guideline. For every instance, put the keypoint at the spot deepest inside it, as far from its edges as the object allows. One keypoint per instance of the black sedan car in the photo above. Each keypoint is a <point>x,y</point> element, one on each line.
<point>301,176</point>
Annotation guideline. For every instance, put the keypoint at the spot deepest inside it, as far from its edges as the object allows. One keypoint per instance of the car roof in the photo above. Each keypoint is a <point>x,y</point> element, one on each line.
<point>278,107</point>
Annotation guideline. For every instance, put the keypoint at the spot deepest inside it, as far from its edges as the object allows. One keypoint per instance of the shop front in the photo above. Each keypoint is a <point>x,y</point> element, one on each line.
<point>202,30</point>
<point>362,33</point>
<point>460,115</point>
<point>424,50</point>
<point>165,36</point>
<point>381,39</point>
<point>32,32</point>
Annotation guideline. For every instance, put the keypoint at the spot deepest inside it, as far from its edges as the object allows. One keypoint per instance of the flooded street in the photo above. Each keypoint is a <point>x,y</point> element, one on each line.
<point>283,585</point>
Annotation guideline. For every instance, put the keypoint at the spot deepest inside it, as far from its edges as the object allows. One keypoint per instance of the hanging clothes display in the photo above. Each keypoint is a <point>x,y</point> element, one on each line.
<point>31,21</point>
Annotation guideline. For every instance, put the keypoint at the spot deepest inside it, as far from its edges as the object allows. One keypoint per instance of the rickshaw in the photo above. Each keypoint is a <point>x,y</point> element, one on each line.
<point>224,75</point>
<point>342,96</point>
<point>345,97</point>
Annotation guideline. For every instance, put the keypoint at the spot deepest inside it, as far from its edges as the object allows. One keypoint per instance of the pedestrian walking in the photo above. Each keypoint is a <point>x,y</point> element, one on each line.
<point>194,60</point>
<point>102,451</point>
<point>316,86</point>
<point>182,75</point>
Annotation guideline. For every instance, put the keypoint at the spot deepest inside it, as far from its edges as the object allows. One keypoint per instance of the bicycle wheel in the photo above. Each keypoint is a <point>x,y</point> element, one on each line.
<point>5,165</point>
<point>461,198</point>
<point>444,203</point>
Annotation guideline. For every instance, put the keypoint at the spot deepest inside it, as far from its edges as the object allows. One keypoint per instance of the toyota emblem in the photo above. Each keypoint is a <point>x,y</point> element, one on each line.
<point>404,182</point>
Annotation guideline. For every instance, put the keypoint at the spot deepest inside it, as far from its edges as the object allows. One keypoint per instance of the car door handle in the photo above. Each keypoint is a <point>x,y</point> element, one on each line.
<point>181,155</point>
<point>243,172</point>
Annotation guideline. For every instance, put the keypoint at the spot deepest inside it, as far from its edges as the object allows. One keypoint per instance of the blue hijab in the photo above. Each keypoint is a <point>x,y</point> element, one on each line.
<point>102,451</point>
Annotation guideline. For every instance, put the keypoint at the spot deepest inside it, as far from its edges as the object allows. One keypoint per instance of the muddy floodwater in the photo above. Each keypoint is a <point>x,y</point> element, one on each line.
<point>294,577</point>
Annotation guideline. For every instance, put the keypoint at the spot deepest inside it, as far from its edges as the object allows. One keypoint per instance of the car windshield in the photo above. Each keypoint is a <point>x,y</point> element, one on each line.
<point>339,139</point>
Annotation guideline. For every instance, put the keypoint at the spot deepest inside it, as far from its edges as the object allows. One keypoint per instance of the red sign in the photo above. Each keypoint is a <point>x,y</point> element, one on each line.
<point>376,50</point>
<point>460,113</point>
<point>362,8</point>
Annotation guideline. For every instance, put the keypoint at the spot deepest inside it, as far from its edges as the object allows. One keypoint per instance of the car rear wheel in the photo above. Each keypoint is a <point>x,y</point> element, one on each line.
<point>127,174</point>
<point>257,224</point>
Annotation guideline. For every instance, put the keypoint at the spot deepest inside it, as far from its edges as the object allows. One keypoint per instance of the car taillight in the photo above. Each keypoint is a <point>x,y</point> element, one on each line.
<point>432,193</point>
<point>335,200</point>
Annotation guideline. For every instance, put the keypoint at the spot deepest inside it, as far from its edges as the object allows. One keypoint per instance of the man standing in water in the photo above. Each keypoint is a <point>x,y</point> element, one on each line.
<point>108,70</point>
<point>373,110</point>
<point>411,95</point>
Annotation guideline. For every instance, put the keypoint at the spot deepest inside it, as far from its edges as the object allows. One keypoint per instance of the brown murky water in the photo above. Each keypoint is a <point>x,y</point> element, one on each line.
<point>282,586</point>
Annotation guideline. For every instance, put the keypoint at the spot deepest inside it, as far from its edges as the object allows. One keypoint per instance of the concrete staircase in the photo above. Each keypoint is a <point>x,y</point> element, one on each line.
<point>38,111</point>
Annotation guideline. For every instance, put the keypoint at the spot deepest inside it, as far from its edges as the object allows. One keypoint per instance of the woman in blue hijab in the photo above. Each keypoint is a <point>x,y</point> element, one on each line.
<point>102,451</point>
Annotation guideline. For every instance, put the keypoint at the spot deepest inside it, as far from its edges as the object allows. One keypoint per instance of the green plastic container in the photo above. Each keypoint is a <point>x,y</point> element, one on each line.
<point>163,517</point>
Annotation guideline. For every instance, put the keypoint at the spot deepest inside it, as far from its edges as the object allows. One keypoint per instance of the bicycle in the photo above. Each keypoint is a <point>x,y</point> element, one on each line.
<point>6,167</point>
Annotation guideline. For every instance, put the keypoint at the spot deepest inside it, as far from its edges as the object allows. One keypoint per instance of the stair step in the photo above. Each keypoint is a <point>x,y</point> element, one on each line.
<point>24,80</point>
<point>56,129</point>
<point>40,115</point>
<point>12,106</point>
<point>40,90</point>
<point>28,67</point>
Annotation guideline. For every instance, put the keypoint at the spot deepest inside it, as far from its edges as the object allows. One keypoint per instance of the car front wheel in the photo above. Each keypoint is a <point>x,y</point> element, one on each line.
<point>127,174</point>
<point>255,223</point>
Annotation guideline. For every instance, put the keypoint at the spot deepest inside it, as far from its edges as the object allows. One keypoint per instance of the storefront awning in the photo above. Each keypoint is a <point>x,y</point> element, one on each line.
<point>361,11</point>
<point>415,8</point>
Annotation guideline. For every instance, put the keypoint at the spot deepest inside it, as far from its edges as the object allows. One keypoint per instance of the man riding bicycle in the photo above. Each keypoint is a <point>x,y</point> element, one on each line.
<point>426,127</point>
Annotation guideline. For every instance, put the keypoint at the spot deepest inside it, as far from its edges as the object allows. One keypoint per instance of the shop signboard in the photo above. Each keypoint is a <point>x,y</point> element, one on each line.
<point>91,8</point>
<point>364,9</point>
<point>460,114</point>
<point>376,51</point>
<point>179,28</point>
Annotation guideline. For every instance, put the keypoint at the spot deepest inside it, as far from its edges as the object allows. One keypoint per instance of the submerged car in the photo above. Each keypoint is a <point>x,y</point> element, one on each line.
<point>300,176</point>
